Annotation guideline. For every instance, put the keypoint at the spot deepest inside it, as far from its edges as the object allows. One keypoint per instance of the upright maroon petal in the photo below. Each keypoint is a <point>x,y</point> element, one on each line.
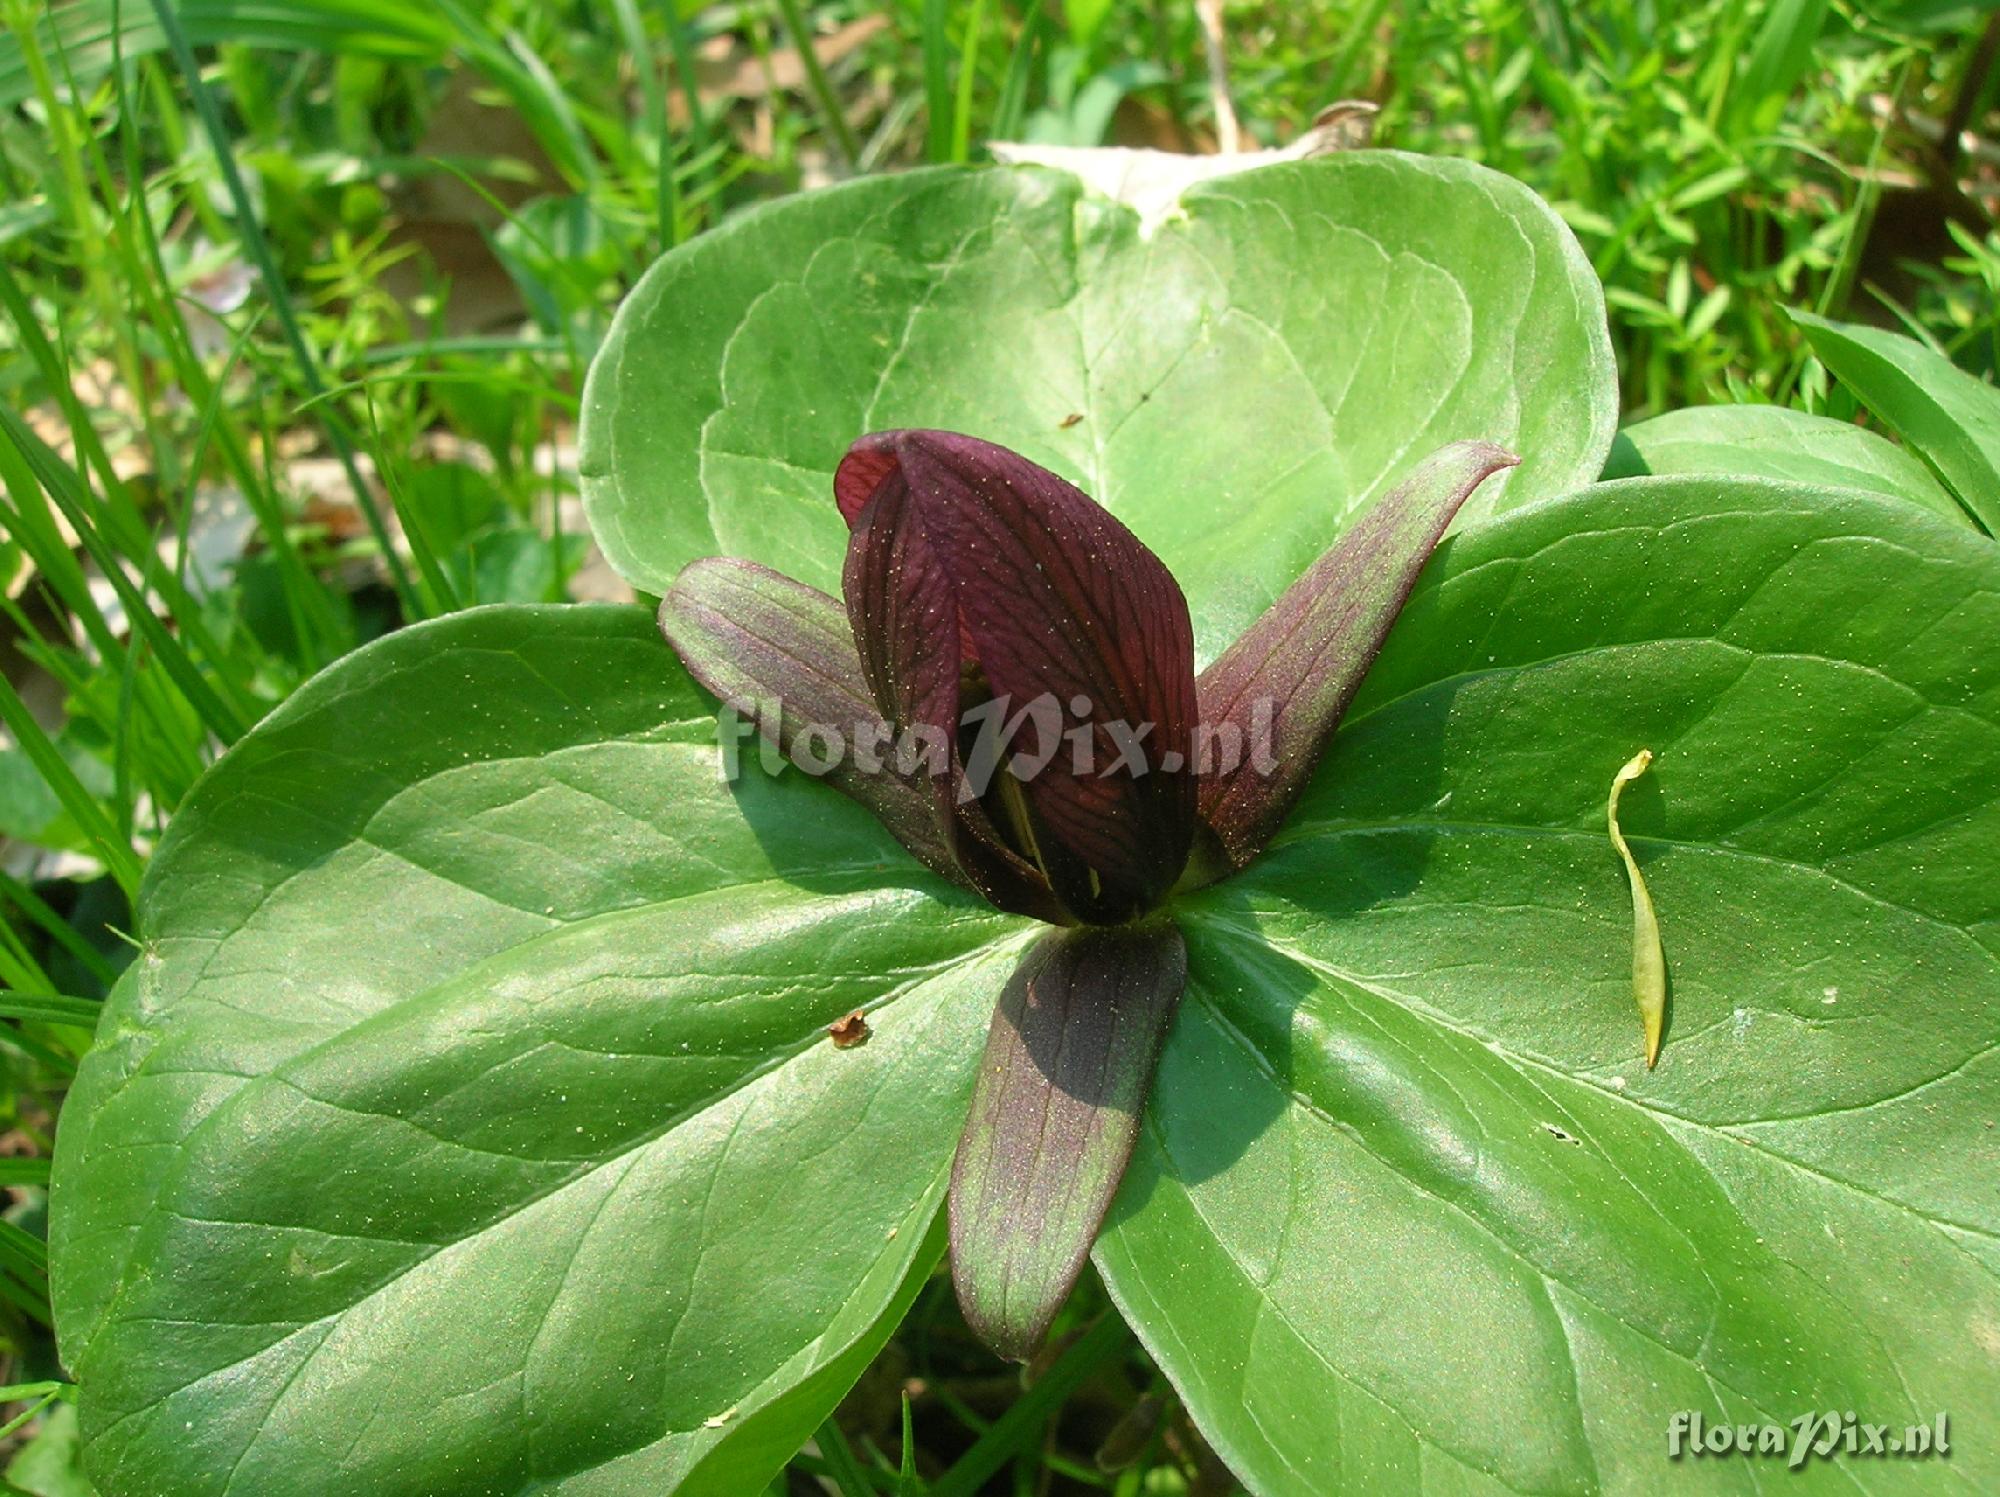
<point>902,608</point>
<point>860,473</point>
<point>964,553</point>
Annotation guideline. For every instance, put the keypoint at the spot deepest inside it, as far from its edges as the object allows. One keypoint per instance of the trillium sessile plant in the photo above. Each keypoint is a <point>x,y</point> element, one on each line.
<point>468,1119</point>
<point>1000,613</point>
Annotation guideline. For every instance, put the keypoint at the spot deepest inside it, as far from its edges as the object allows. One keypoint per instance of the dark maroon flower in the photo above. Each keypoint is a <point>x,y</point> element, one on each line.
<point>1012,691</point>
<point>976,580</point>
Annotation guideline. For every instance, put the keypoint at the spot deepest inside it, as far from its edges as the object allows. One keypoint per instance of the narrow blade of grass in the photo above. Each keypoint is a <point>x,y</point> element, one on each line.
<point>83,807</point>
<point>832,115</point>
<point>937,79</point>
<point>57,929</point>
<point>250,234</point>
<point>50,1009</point>
<point>1020,1427</point>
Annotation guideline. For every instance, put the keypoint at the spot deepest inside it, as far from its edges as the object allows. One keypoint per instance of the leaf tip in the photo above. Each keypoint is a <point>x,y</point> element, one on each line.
<point>1494,457</point>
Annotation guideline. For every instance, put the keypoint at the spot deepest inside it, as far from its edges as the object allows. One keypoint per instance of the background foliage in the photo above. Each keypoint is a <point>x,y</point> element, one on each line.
<point>296,300</point>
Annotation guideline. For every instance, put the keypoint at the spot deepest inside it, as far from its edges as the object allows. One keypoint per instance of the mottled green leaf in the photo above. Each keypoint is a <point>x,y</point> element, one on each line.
<point>1232,384</point>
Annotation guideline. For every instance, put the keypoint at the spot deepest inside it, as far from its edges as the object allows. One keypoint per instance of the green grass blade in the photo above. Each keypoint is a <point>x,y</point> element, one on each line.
<point>1020,1428</point>
<point>82,806</point>
<point>832,115</point>
<point>57,929</point>
<point>937,79</point>
<point>28,1413</point>
<point>250,234</point>
<point>908,1483</point>
<point>1778,59</point>
<point>50,1009</point>
<point>21,1170</point>
<point>222,719</point>
<point>968,73</point>
<point>685,74</point>
<point>841,1465</point>
<point>1012,109</point>
<point>93,32</point>
<point>443,597</point>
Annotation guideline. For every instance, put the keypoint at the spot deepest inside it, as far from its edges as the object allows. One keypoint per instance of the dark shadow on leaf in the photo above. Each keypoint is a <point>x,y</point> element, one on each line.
<point>822,841</point>
<point>1249,995</point>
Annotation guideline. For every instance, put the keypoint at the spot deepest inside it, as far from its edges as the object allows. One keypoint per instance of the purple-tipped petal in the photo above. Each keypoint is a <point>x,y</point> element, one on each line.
<point>1055,1112</point>
<point>967,555</point>
<point>1273,699</point>
<point>781,654</point>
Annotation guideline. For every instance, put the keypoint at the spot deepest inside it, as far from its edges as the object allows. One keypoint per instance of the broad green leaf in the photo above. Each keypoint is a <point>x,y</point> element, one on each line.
<point>1771,441</point>
<point>1951,418</point>
<point>468,1121</point>
<point>1408,1212</point>
<point>1232,383</point>
<point>51,1463</point>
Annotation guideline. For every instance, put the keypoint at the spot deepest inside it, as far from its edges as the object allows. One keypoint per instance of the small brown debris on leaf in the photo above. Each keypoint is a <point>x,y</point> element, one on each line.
<point>848,1032</point>
<point>1070,420</point>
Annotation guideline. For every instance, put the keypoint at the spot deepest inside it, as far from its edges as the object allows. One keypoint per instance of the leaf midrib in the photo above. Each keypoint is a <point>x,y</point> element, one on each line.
<point>1522,1063</point>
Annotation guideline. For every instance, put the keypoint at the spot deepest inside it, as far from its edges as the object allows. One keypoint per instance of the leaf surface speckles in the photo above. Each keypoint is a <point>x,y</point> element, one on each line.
<point>1408,1213</point>
<point>479,1023</point>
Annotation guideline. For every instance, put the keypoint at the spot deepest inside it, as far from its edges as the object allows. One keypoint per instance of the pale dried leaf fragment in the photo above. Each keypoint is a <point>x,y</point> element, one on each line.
<point>1649,963</point>
<point>1152,182</point>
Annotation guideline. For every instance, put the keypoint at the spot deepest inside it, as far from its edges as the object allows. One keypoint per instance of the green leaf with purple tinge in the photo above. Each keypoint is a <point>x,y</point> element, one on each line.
<point>1068,1063</point>
<point>781,654</point>
<point>1280,688</point>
